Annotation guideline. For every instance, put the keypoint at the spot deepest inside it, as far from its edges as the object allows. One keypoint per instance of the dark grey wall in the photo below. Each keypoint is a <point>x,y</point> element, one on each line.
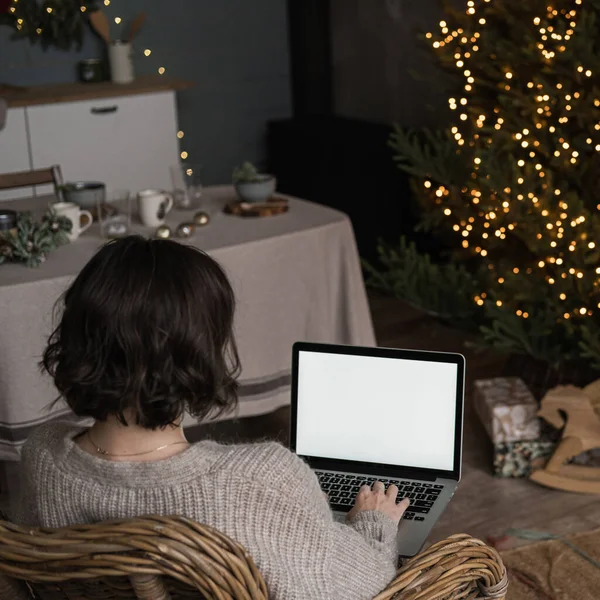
<point>375,49</point>
<point>235,52</point>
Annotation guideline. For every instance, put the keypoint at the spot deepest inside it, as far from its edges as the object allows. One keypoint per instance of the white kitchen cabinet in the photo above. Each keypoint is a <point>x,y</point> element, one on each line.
<point>126,142</point>
<point>14,150</point>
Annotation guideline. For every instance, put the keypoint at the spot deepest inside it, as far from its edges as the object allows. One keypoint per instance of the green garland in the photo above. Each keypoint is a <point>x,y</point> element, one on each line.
<point>58,23</point>
<point>30,242</point>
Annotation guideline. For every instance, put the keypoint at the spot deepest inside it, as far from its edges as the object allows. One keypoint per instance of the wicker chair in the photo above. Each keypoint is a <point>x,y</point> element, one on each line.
<point>174,558</point>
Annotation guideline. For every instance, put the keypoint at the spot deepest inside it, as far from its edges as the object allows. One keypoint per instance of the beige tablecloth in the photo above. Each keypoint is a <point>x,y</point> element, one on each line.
<point>297,277</point>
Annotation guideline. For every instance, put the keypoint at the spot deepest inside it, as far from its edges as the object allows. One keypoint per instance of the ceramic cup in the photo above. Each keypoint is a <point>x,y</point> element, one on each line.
<point>153,207</point>
<point>71,211</point>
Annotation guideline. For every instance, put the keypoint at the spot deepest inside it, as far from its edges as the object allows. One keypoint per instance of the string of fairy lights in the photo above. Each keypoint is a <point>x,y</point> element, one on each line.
<point>161,71</point>
<point>118,20</point>
<point>553,110</point>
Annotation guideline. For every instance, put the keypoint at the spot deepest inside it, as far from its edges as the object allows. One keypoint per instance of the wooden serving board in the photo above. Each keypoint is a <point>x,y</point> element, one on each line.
<point>276,205</point>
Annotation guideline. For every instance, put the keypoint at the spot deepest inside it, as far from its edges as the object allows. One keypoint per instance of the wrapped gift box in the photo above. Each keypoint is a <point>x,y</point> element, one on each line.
<point>507,410</point>
<point>518,459</point>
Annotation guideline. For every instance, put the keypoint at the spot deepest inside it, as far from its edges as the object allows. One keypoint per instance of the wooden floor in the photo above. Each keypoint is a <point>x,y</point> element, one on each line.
<point>483,505</point>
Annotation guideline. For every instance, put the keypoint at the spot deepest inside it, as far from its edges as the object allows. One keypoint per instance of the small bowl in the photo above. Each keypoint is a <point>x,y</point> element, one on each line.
<point>256,191</point>
<point>87,194</point>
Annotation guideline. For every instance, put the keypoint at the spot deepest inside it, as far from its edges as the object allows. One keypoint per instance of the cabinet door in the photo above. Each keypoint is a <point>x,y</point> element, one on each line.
<point>14,151</point>
<point>128,143</point>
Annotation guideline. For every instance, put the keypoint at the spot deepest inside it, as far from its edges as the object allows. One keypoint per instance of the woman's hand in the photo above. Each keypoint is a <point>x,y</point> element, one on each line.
<point>380,500</point>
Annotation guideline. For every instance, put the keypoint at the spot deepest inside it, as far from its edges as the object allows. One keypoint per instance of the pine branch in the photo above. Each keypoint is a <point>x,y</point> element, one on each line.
<point>444,291</point>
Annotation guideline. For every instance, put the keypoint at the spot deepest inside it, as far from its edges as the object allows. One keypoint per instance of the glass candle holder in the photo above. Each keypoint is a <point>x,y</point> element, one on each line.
<point>187,186</point>
<point>114,216</point>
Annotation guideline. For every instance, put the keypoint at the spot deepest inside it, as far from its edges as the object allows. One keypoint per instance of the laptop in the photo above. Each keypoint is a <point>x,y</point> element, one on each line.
<point>361,415</point>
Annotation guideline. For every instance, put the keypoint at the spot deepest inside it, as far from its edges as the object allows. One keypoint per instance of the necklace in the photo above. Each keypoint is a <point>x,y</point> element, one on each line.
<point>105,453</point>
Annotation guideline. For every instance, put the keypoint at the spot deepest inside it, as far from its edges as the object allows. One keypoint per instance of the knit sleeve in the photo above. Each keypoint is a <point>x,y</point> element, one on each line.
<point>363,555</point>
<point>362,552</point>
<point>26,509</point>
<point>356,560</point>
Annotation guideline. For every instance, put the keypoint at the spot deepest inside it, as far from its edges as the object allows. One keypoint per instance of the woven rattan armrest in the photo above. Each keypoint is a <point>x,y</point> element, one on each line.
<point>175,558</point>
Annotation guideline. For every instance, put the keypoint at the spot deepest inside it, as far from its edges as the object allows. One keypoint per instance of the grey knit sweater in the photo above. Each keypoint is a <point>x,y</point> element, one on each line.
<point>261,495</point>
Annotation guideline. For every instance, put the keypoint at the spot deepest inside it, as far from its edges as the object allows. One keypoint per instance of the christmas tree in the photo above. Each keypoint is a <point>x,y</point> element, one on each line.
<point>513,185</point>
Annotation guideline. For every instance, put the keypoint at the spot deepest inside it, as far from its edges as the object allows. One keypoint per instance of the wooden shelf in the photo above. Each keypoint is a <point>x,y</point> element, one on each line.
<point>73,92</point>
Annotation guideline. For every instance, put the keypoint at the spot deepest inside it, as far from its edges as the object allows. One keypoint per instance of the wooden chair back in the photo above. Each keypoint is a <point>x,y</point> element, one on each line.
<point>30,178</point>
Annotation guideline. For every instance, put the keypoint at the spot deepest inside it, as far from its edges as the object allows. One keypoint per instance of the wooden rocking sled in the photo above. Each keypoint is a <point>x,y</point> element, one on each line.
<point>578,411</point>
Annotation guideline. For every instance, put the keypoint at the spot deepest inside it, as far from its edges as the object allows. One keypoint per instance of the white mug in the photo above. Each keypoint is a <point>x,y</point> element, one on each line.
<point>154,206</point>
<point>71,211</point>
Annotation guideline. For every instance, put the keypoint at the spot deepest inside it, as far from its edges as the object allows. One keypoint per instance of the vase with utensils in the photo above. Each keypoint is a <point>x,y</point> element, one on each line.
<point>119,49</point>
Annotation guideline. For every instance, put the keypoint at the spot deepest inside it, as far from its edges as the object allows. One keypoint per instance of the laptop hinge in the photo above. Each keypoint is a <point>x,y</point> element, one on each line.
<point>375,471</point>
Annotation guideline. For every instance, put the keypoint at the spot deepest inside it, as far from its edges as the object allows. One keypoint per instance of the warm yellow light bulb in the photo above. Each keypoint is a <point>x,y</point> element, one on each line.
<point>161,70</point>
<point>118,20</point>
<point>184,155</point>
<point>147,52</point>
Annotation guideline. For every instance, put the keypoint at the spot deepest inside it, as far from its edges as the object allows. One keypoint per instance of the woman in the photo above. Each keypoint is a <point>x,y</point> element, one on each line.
<point>145,336</point>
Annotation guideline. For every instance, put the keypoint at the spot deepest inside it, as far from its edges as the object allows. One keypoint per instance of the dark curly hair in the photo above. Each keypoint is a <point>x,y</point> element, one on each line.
<point>147,325</point>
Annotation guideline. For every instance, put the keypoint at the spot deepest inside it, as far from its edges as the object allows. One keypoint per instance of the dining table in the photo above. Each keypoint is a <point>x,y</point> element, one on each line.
<point>297,277</point>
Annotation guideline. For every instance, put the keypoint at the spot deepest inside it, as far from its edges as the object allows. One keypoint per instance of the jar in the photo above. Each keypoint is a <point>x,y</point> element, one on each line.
<point>91,70</point>
<point>8,222</point>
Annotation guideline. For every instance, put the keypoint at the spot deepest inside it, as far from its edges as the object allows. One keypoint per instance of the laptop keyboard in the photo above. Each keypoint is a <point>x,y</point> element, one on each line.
<point>342,488</point>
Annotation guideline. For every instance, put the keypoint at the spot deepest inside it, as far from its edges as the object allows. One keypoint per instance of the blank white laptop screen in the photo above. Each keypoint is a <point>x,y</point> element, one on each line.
<point>377,410</point>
